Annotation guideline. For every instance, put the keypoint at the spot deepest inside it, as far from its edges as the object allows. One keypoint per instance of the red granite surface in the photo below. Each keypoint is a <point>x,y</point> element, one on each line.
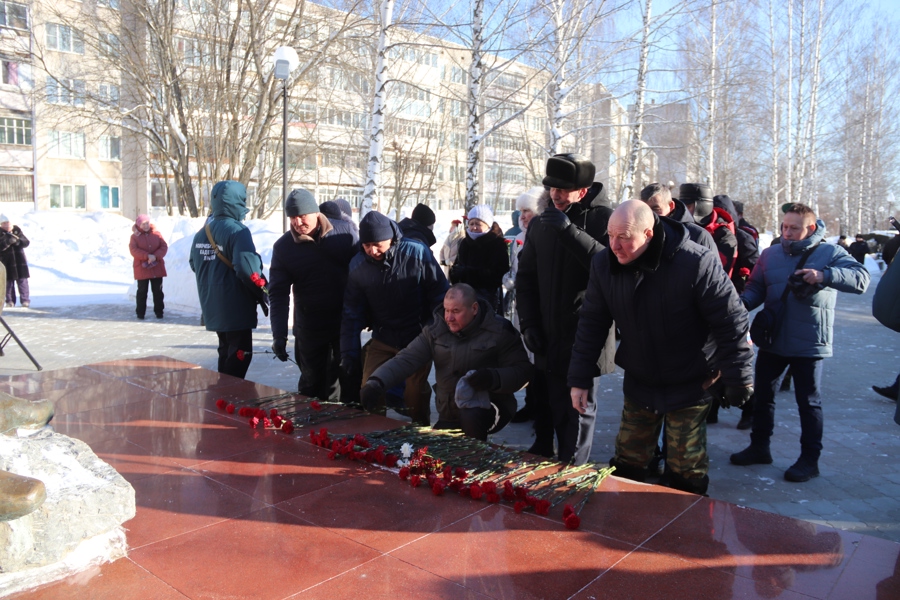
<point>224,511</point>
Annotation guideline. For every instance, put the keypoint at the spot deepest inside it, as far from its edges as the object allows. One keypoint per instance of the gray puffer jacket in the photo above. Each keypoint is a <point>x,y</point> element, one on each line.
<point>489,341</point>
<point>807,325</point>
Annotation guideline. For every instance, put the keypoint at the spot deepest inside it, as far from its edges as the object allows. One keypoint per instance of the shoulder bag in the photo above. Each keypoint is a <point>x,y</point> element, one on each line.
<point>766,323</point>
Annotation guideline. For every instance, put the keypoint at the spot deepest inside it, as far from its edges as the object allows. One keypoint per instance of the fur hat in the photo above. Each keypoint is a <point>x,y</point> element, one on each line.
<point>569,172</point>
<point>483,213</point>
<point>529,200</point>
<point>690,193</point>
<point>300,202</point>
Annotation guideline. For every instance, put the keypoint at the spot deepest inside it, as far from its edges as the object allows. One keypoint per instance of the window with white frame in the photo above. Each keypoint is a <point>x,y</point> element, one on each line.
<point>65,91</point>
<point>113,4</point>
<point>15,131</point>
<point>109,95</point>
<point>64,38</point>
<point>109,196</point>
<point>66,144</point>
<point>67,196</point>
<point>13,15</point>
<point>110,148</point>
<point>9,70</point>
<point>109,44</point>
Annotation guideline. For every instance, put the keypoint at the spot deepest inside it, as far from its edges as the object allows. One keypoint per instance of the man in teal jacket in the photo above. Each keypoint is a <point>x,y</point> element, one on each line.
<point>230,280</point>
<point>804,335</point>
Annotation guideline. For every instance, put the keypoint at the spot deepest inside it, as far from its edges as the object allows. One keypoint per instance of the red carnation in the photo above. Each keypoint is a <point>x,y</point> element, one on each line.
<point>519,506</point>
<point>390,461</point>
<point>531,500</point>
<point>460,473</point>
<point>230,409</point>
<point>260,413</point>
<point>568,509</point>
<point>521,492</point>
<point>288,427</point>
<point>254,422</point>
<point>266,422</point>
<point>254,277</point>
<point>573,521</point>
<point>489,487</point>
<point>277,421</point>
<point>455,484</point>
<point>315,405</point>
<point>273,413</point>
<point>464,491</point>
<point>448,473</point>
<point>332,455</point>
<point>508,494</point>
<point>437,488</point>
<point>493,497</point>
<point>542,507</point>
<point>415,480</point>
<point>240,354</point>
<point>404,473</point>
<point>475,491</point>
<point>220,404</point>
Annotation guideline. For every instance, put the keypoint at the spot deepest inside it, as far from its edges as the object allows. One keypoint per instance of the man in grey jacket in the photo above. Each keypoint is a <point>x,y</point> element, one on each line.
<point>479,362</point>
<point>804,336</point>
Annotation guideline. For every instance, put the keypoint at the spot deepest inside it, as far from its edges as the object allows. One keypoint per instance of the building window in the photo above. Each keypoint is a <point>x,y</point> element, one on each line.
<point>65,144</point>
<point>67,196</point>
<point>110,148</point>
<point>64,38</point>
<point>109,95</point>
<point>15,131</point>
<point>65,91</point>
<point>9,70</point>
<point>13,15</point>
<point>109,45</point>
<point>113,4</point>
<point>109,197</point>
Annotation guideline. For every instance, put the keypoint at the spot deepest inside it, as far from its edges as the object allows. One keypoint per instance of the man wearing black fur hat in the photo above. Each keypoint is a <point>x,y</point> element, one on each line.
<point>312,260</point>
<point>553,274</point>
<point>393,288</point>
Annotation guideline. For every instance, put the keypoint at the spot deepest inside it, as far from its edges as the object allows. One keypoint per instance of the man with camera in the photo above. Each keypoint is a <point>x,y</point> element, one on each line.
<point>803,330</point>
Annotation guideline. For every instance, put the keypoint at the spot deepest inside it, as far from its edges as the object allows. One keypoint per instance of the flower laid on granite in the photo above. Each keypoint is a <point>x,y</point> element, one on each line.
<point>315,405</point>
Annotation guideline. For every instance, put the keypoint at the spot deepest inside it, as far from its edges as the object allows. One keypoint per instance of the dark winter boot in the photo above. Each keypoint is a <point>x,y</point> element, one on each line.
<point>628,471</point>
<point>542,448</point>
<point>746,421</point>
<point>523,415</point>
<point>752,455</point>
<point>802,470</point>
<point>890,392</point>
<point>693,485</point>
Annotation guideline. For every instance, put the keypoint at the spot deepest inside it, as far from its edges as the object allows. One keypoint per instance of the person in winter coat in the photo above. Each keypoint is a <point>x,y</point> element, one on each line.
<point>667,296</point>
<point>859,249</point>
<point>393,287</point>
<point>12,254</point>
<point>148,247</point>
<point>483,256</point>
<point>698,198</point>
<point>550,284</point>
<point>419,225</point>
<point>450,249</point>
<point>516,229</point>
<point>310,263</point>
<point>479,363</point>
<point>230,280</point>
<point>805,334</point>
<point>747,244</point>
<point>658,197</point>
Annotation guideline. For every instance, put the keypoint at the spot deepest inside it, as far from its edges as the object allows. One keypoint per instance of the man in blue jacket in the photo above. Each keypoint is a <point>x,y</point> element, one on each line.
<point>393,288</point>
<point>667,295</point>
<point>230,279</point>
<point>312,260</point>
<point>804,336</point>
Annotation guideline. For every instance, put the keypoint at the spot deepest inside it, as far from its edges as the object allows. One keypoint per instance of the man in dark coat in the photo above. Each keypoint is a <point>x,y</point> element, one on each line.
<point>658,197</point>
<point>419,225</point>
<point>552,277</point>
<point>747,245</point>
<point>230,281</point>
<point>698,198</point>
<point>393,288</point>
<point>312,260</point>
<point>479,363</point>
<point>859,249</point>
<point>667,296</point>
<point>12,254</point>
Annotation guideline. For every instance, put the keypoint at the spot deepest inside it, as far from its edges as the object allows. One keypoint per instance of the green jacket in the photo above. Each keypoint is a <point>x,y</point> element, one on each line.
<point>488,341</point>
<point>228,297</point>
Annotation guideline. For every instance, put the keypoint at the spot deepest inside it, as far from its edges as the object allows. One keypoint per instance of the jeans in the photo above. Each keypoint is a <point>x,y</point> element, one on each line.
<point>807,374</point>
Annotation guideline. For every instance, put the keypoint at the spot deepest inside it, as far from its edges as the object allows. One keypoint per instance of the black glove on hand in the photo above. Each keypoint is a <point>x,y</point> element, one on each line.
<point>482,379</point>
<point>457,273</point>
<point>370,395</point>
<point>279,348</point>
<point>554,218</point>
<point>736,396</point>
<point>534,340</point>
<point>350,367</point>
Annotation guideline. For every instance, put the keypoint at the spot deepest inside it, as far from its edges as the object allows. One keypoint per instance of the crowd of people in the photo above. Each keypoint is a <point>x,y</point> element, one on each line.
<point>660,286</point>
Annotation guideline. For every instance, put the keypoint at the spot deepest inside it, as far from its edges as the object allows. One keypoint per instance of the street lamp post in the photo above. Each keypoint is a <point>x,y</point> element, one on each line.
<point>286,60</point>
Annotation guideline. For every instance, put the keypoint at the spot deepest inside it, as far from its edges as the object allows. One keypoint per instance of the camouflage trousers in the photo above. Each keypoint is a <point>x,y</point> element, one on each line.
<point>685,438</point>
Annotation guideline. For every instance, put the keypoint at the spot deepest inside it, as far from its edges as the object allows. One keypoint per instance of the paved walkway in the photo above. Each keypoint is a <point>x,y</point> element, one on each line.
<point>858,490</point>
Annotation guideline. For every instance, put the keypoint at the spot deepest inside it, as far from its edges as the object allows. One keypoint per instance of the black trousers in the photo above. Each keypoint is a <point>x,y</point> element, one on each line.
<point>319,356</point>
<point>158,304</point>
<point>235,352</point>
<point>479,422</point>
<point>574,431</point>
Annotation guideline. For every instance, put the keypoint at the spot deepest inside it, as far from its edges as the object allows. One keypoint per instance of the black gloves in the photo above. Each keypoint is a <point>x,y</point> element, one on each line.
<point>482,379</point>
<point>351,368</point>
<point>370,395</point>
<point>278,347</point>
<point>554,218</point>
<point>534,340</point>
<point>736,396</point>
<point>457,273</point>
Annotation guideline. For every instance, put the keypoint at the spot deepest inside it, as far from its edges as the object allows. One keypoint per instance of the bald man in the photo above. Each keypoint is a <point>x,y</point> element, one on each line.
<point>667,295</point>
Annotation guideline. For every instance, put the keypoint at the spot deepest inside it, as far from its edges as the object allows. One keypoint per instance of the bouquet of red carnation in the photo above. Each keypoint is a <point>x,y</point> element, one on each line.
<point>259,281</point>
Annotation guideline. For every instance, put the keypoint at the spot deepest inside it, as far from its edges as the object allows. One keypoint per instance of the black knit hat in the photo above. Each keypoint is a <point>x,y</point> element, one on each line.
<point>569,172</point>
<point>300,202</point>
<point>423,215</point>
<point>375,227</point>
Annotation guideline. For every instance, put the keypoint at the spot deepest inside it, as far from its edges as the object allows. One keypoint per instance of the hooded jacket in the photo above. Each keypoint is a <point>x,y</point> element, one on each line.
<point>807,325</point>
<point>413,230</point>
<point>394,297</point>
<point>747,245</point>
<point>666,304</point>
<point>228,297</point>
<point>315,269</point>
<point>553,274</point>
<point>141,245</point>
<point>489,341</point>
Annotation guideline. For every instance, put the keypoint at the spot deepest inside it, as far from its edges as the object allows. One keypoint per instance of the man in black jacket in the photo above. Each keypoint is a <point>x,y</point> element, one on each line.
<point>312,260</point>
<point>667,295</point>
<point>659,198</point>
<point>552,277</point>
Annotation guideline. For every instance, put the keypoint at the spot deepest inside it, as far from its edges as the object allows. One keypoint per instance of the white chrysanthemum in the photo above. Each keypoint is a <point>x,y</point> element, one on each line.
<point>406,450</point>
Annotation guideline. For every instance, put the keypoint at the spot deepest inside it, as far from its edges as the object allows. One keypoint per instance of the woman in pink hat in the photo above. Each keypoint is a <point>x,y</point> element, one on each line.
<point>148,249</point>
